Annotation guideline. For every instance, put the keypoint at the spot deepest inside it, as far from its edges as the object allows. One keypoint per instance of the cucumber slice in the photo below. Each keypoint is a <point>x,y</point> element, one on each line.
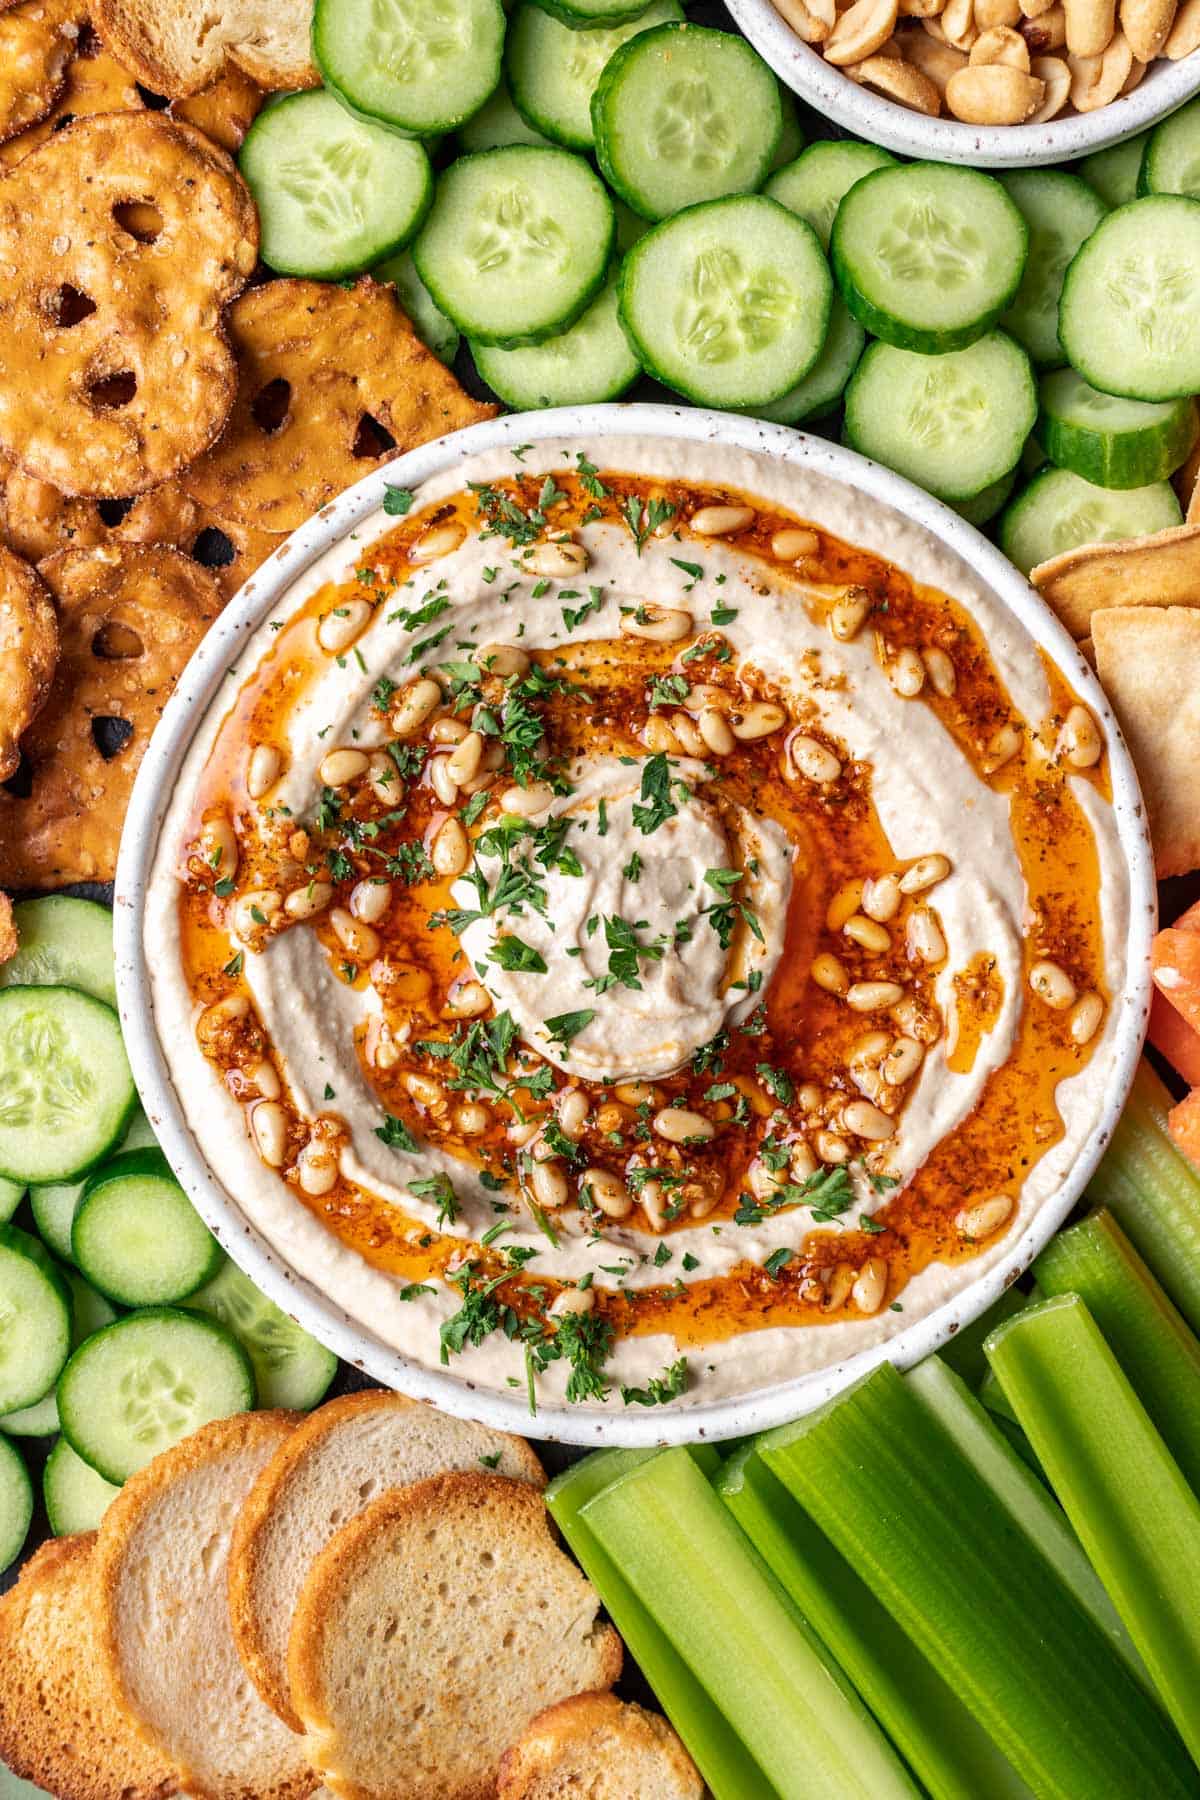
<point>584,14</point>
<point>928,256</point>
<point>1114,443</point>
<point>955,423</point>
<point>684,114</point>
<point>76,1497</point>
<point>11,1195</point>
<point>334,193</point>
<point>35,1320</point>
<point>728,303</point>
<point>55,1205</point>
<point>63,942</point>
<point>1171,161</point>
<point>1060,211</point>
<point>435,330</point>
<point>791,137</point>
<point>1113,173</point>
<point>16,1503</point>
<point>590,361</point>
<point>987,504</point>
<point>423,67</point>
<point>1059,511</point>
<point>630,227</point>
<point>825,383</point>
<point>291,1369</point>
<point>553,70</point>
<point>142,1384</point>
<point>66,1091</point>
<point>90,1312</point>
<point>814,184</point>
<point>497,124</point>
<point>137,1237</point>
<point>1128,318</point>
<point>517,243</point>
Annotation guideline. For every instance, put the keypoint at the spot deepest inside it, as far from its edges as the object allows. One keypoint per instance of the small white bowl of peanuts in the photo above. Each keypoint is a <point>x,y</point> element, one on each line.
<point>993,83</point>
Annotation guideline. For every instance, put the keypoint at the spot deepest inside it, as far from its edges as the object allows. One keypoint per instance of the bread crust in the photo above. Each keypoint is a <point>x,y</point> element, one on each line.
<point>128,26</point>
<point>596,1728</point>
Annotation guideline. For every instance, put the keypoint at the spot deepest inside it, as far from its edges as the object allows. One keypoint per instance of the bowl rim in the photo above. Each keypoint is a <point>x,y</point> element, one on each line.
<point>205,674</point>
<point>900,129</point>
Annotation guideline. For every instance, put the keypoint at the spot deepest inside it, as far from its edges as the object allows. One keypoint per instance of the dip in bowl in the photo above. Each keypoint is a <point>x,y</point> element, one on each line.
<point>637,914</point>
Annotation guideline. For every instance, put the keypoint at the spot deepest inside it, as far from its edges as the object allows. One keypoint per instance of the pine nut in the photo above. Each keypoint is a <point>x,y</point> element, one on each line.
<point>369,900</point>
<point>758,720</point>
<point>658,736</point>
<point>438,542</point>
<point>705,694</point>
<point>462,764</point>
<point>262,770</point>
<point>305,902</point>
<point>383,777</point>
<point>867,1121</point>
<point>358,939</point>
<point>218,847</point>
<point>414,706</point>
<point>715,732</point>
<point>813,760</point>
<point>828,973</point>
<point>256,912</point>
<point>848,614</point>
<point>520,1134</point>
<point>611,1118</point>
<point>386,1049</point>
<point>563,558</point>
<point>679,1126</point>
<point>881,897</point>
<point>341,767</point>
<point>917,1020</point>
<point>1001,747</point>
<point>791,545</point>
<point>450,852</point>
<point>866,932</point>
<point>226,1011</point>
<point>1080,741</point>
<point>940,671</point>
<point>924,937</point>
<point>873,996</point>
<point>339,628</point>
<point>902,1061</point>
<point>1086,1015</point>
<point>720,521</point>
<point>316,1168</point>
<point>869,1049</point>
<point>658,624</point>
<point>472,1119</point>
<point>926,872</point>
<point>870,1285</point>
<point>268,1123</point>
<point>688,737</point>
<point>637,1093</point>
<point>467,1000</point>
<point>654,1204</point>
<point>831,1147</point>
<point>802,1163</point>
<point>265,1079</point>
<point>549,1185</point>
<point>493,758</point>
<point>764,1183</point>
<point>502,659</point>
<point>840,1282</point>
<point>572,1111</point>
<point>573,1300</point>
<point>843,904</point>
<point>907,673</point>
<point>424,1091</point>
<point>1051,983</point>
<point>526,801</point>
<point>980,1220</point>
<point>442,781</point>
<point>606,1192</point>
<point>448,731</point>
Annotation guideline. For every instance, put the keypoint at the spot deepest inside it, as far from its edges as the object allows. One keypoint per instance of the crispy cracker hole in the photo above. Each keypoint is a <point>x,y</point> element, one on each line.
<point>269,407</point>
<point>110,735</point>
<point>113,511</point>
<point>109,393</point>
<point>371,438</point>
<point>212,549</point>
<point>69,306</point>
<point>155,102</point>
<point>116,642</point>
<point>20,783</point>
<point>140,218</point>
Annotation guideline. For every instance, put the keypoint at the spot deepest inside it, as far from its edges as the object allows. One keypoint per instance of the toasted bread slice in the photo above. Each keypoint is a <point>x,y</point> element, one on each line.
<point>59,1721</point>
<point>178,47</point>
<point>596,1747</point>
<point>340,1459</point>
<point>432,1628</point>
<point>161,1591</point>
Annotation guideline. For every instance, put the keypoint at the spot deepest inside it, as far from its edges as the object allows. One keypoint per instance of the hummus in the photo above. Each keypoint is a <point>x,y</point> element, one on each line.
<point>642,923</point>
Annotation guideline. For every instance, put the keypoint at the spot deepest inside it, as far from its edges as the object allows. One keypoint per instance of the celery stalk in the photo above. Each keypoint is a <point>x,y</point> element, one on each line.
<point>743,1639</point>
<point>1147,1335</point>
<point>964,1352</point>
<point>885,1481</point>
<point>1154,1192</point>
<point>1123,1491</point>
<point>720,1755</point>
<point>980,1437</point>
<point>949,1752</point>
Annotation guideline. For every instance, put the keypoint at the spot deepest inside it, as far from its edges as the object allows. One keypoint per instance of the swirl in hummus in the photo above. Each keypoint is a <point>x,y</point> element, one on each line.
<point>642,922</point>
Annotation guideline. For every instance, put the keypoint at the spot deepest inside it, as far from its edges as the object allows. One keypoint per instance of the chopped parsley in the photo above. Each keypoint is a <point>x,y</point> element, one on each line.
<point>397,501</point>
<point>396,1135</point>
<point>514,953</point>
<point>644,517</point>
<point>564,1028</point>
<point>441,1189</point>
<point>660,1388</point>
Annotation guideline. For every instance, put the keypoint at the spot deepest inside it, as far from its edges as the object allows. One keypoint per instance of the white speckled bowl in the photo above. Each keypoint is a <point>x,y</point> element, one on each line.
<point>204,676</point>
<point>829,92</point>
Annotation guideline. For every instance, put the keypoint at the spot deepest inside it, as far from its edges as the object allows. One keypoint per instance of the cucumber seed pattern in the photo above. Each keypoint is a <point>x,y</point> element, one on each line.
<point>412,40</point>
<point>516,234</point>
<point>42,1083</point>
<point>691,124</point>
<point>924,243</point>
<point>1158,294</point>
<point>331,183</point>
<point>940,412</point>
<point>727,308</point>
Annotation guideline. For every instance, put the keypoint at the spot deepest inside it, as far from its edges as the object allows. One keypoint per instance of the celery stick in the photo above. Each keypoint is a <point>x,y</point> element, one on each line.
<point>945,1747</point>
<point>1155,1192</point>
<point>1123,1491</point>
<point>979,1436</point>
<point>993,1398</point>
<point>719,1754</point>
<point>964,1352</point>
<point>885,1481</point>
<point>743,1639</point>
<point>1147,1335</point>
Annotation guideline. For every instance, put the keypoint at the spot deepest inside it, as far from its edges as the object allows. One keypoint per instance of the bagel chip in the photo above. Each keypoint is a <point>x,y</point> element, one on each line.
<point>28,653</point>
<point>1160,570</point>
<point>178,47</point>
<point>1148,661</point>
<point>9,942</point>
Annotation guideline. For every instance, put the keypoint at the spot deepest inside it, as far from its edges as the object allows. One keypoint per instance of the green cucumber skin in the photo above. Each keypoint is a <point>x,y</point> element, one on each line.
<point>526,104</point>
<point>122,1125</point>
<point>131,1164</point>
<point>1134,460</point>
<point>58,1472</point>
<point>579,20</point>
<point>1075,341</point>
<point>322,13</point>
<point>49,929</point>
<point>14,1530</point>
<point>881,325</point>
<point>1150,174</point>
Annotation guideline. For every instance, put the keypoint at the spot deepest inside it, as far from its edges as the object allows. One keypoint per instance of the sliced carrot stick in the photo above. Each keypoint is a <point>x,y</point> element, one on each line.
<point>1175,1039</point>
<point>1183,1123</point>
<point>1175,958</point>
